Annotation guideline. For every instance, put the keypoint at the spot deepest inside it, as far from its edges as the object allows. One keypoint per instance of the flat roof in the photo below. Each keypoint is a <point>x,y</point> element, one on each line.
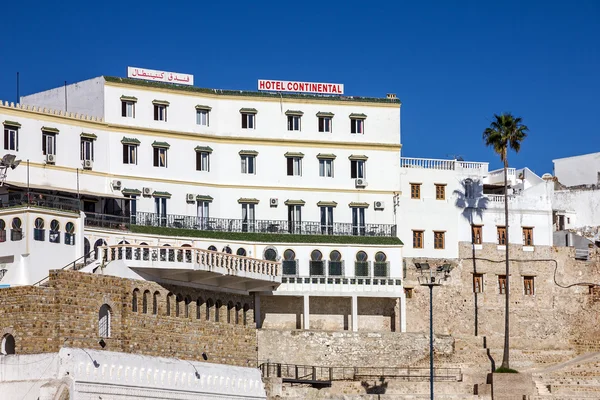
<point>249,93</point>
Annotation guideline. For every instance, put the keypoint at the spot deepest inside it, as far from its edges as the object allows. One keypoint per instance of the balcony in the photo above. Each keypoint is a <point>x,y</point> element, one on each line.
<point>38,199</point>
<point>480,168</point>
<point>371,286</point>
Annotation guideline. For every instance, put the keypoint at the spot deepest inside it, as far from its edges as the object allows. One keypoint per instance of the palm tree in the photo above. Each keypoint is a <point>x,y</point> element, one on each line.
<point>503,133</point>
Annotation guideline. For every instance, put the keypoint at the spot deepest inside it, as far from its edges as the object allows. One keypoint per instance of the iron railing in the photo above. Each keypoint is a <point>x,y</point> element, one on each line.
<point>262,226</point>
<point>336,280</point>
<point>106,221</point>
<point>38,199</point>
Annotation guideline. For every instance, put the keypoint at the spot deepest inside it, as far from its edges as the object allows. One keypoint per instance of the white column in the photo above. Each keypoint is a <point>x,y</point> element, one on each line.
<point>306,312</point>
<point>354,313</point>
<point>257,318</point>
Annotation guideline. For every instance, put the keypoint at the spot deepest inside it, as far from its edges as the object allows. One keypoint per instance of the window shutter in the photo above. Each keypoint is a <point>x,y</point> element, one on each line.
<point>244,121</point>
<point>155,112</point>
<point>5,139</point>
<point>156,156</point>
<point>353,169</point>
<point>44,140</point>
<point>290,166</point>
<point>125,151</point>
<point>198,161</point>
<point>123,109</point>
<point>321,124</point>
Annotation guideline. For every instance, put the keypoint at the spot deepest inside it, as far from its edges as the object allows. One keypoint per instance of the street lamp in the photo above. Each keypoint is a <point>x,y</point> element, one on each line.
<point>431,277</point>
<point>8,161</point>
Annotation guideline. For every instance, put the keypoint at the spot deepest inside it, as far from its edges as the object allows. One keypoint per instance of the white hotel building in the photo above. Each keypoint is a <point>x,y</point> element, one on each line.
<point>142,166</point>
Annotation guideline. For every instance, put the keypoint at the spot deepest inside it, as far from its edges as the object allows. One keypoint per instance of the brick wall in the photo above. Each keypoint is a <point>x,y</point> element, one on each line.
<point>42,319</point>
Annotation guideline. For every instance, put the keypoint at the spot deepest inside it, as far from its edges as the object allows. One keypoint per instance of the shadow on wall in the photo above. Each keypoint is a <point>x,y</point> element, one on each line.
<point>375,388</point>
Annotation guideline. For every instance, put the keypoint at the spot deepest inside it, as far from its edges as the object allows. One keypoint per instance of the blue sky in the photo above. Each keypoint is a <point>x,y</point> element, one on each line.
<point>452,63</point>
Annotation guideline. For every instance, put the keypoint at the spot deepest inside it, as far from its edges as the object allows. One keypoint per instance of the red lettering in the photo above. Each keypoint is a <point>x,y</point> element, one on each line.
<point>329,85</point>
<point>301,87</point>
<point>261,85</point>
<point>340,90</point>
<point>290,86</point>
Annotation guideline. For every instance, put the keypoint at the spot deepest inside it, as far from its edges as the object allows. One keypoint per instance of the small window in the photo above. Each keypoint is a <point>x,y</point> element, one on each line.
<point>11,138</point>
<point>104,321</point>
<point>357,126</point>
<point>477,283</point>
<point>361,265</point>
<point>87,149</point>
<point>54,231</point>
<point>134,300</point>
<point>415,190</point>
<point>529,288</point>
<point>160,157</point>
<point>2,231</point>
<point>160,112</point>
<point>248,164</point>
<point>212,248</point>
<point>440,192</point>
<point>203,161</point>
<point>501,235</point>
<point>357,169</point>
<point>289,264</point>
<point>336,266</point>
<point>476,232</point>
<point>293,122</point>
<point>294,166</point>
<point>270,254</point>
<point>241,252</point>
<point>501,284</point>
<point>202,117</point>
<point>316,263</point>
<point>438,240</point>
<point>8,345</point>
<point>38,230</point>
<point>417,239</point>
<point>380,267</point>
<point>408,292</point>
<point>155,299</point>
<point>70,234</point>
<point>128,109</point>
<point>16,232</point>
<point>129,154</point>
<point>48,143</point>
<point>227,250</point>
<point>248,121</point>
<point>145,299</point>
<point>325,124</point>
<point>527,236</point>
<point>326,168</point>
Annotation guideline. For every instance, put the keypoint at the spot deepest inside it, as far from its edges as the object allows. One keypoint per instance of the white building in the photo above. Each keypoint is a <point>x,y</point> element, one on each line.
<point>578,170</point>
<point>303,179</point>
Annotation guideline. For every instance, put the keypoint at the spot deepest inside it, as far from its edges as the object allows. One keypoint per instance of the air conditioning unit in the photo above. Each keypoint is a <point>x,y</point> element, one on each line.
<point>147,191</point>
<point>88,164</point>
<point>50,158</point>
<point>190,197</point>
<point>116,184</point>
<point>273,202</point>
<point>360,182</point>
<point>379,205</point>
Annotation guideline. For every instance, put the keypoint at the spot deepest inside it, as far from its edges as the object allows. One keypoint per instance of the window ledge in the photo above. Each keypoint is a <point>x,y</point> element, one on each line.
<point>528,248</point>
<point>501,247</point>
<point>478,246</point>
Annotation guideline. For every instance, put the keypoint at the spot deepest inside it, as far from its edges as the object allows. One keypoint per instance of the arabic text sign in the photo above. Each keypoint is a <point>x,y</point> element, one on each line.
<point>301,87</point>
<point>160,76</point>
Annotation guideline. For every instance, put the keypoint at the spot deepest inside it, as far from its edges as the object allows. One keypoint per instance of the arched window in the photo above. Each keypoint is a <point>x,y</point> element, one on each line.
<point>380,267</point>
<point>316,263</point>
<point>241,252</point>
<point>270,254</point>
<point>104,321</point>
<point>87,247</point>
<point>145,302</point>
<point>187,302</point>
<point>218,305</point>
<point>2,231</point>
<point>199,303</point>
<point>178,305</point>
<point>134,300</point>
<point>155,299</point>
<point>8,344</point>
<point>38,230</point>
<point>70,234</point>
<point>361,265</point>
<point>16,231</point>
<point>169,301</point>
<point>128,250</point>
<point>98,243</point>
<point>209,306</point>
<point>469,188</point>
<point>238,310</point>
<point>335,264</point>
<point>227,250</point>
<point>54,231</point>
<point>290,264</point>
<point>230,311</point>
<point>212,248</point>
<point>246,309</point>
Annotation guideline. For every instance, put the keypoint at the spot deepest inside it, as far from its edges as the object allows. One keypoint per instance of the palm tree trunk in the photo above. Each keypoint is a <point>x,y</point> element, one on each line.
<point>505,362</point>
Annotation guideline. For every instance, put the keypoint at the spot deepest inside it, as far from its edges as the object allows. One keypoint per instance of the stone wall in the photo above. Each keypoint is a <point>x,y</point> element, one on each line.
<point>350,349</point>
<point>552,318</point>
<point>43,319</point>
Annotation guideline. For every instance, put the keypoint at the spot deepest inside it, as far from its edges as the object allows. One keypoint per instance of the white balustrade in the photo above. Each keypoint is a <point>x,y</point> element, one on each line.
<point>427,163</point>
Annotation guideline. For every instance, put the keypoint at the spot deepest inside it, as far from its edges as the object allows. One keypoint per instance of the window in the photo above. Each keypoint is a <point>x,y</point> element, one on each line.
<point>293,122</point>
<point>248,120</point>
<point>145,297</point>
<point>326,168</point>
<point>316,263</point>
<point>128,108</point>
<point>294,166</point>
<point>502,284</point>
<point>325,124</point>
<point>54,231</point>
<point>202,213</point>
<point>358,221</point>
<point>477,283</point>
<point>528,285</point>
<point>469,188</point>
<point>202,117</point>
<point>438,240</point>
<point>160,209</point>
<point>160,112</point>
<point>70,234</point>
<point>11,138</point>
<point>48,143</point>
<point>440,192</point>
<point>361,265</point>
<point>501,235</point>
<point>248,164</point>
<point>2,231</point>
<point>357,169</point>
<point>104,321</point>
<point>8,345</point>
<point>202,161</point>
<point>415,190</point>
<point>155,299</point>
<point>270,254</point>
<point>357,125</point>
<point>134,300</point>
<point>417,239</point>
<point>160,157</point>
<point>326,220</point>
<point>476,234</point>
<point>16,233</point>
<point>87,149</point>
<point>295,218</point>
<point>129,154</point>
<point>527,236</point>
<point>248,219</point>
<point>408,292</point>
<point>336,265</point>
<point>131,207</point>
<point>241,252</point>
<point>38,230</point>
<point>380,267</point>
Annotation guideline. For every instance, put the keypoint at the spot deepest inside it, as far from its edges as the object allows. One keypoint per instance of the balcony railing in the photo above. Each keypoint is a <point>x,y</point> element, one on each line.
<point>105,221</point>
<point>37,199</point>
<point>445,165</point>
<point>263,226</point>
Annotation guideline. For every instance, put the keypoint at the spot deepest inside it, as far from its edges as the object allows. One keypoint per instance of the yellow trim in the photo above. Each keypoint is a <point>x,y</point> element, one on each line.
<point>200,184</point>
<point>254,98</point>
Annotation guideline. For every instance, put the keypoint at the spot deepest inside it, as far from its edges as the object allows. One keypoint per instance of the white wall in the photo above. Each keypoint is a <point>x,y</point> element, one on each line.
<point>582,207</point>
<point>578,170</point>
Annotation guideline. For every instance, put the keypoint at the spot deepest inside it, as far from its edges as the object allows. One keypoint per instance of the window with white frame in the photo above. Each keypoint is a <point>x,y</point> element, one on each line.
<point>11,137</point>
<point>326,168</point>
<point>202,116</point>
<point>326,212</point>
<point>129,153</point>
<point>248,217</point>
<point>248,118</point>
<point>202,213</point>
<point>357,169</point>
<point>357,125</point>
<point>127,108</point>
<point>202,161</point>
<point>160,157</point>
<point>160,110</point>
<point>87,149</point>
<point>248,164</point>
<point>48,143</point>
<point>294,166</point>
<point>293,122</point>
<point>358,221</point>
<point>325,122</point>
